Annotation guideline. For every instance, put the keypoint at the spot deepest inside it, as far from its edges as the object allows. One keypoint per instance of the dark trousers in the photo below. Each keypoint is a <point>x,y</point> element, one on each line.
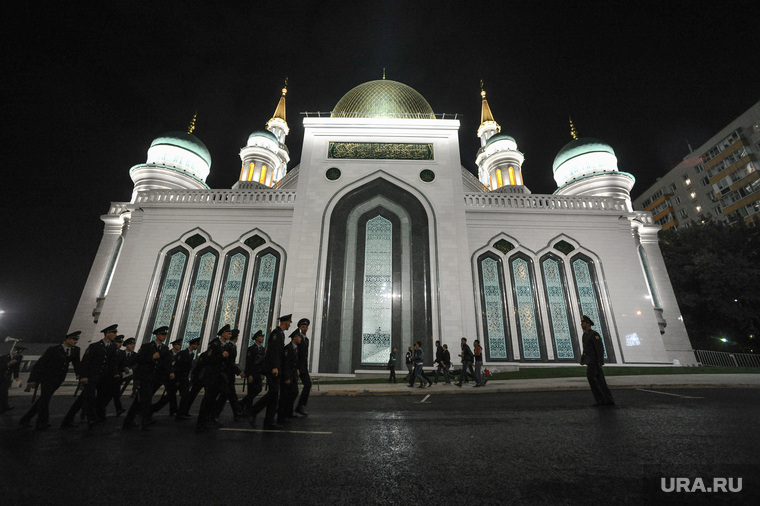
<point>438,370</point>
<point>254,388</point>
<point>466,370</point>
<point>229,394</point>
<point>598,384</point>
<point>305,389</point>
<point>270,401</point>
<point>68,419</point>
<point>187,400</point>
<point>5,384</point>
<point>169,397</point>
<point>288,394</point>
<point>41,408</point>
<point>392,375</point>
<point>116,394</point>
<point>143,402</point>
<point>207,412</point>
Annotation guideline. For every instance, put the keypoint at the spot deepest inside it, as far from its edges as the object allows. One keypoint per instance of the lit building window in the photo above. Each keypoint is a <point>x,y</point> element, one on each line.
<point>263,177</point>
<point>512,176</point>
<point>693,195</point>
<point>250,172</point>
<point>687,181</point>
<point>699,209</point>
<point>499,181</point>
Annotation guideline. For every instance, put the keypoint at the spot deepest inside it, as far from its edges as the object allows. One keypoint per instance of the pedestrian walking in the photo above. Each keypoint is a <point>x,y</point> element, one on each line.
<point>593,358</point>
<point>467,359</point>
<point>392,366</point>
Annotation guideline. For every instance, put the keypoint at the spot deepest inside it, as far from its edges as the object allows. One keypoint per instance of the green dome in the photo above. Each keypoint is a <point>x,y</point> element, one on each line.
<point>383,99</point>
<point>264,133</point>
<point>578,147</point>
<point>501,137</point>
<point>186,141</point>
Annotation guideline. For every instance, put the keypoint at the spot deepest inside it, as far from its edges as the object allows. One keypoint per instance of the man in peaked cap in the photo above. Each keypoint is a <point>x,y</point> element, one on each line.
<point>303,366</point>
<point>183,364</point>
<point>98,368</point>
<point>254,361</point>
<point>230,372</point>
<point>116,382</point>
<point>153,366</point>
<point>593,359</point>
<point>171,385</point>
<point>272,365</point>
<point>214,381</point>
<point>49,372</point>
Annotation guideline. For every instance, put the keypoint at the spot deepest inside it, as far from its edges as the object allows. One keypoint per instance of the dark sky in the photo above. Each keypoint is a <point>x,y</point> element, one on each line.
<point>84,92</point>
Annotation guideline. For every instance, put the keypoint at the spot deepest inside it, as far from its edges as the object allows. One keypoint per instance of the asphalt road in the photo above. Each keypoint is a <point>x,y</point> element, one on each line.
<point>503,448</point>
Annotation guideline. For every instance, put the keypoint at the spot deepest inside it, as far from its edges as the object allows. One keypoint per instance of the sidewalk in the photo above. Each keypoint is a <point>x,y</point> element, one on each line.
<point>651,381</point>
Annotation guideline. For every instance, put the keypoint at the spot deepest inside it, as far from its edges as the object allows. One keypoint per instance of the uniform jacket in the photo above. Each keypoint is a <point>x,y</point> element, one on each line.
<point>289,365</point>
<point>213,364</point>
<point>99,362</point>
<point>303,354</point>
<point>7,369</point>
<point>183,364</point>
<point>153,369</point>
<point>273,356</point>
<point>254,360</point>
<point>53,365</point>
<point>230,363</point>
<point>593,349</point>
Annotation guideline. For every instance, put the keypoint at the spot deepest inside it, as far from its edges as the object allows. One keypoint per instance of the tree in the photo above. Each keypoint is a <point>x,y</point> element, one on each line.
<point>715,272</point>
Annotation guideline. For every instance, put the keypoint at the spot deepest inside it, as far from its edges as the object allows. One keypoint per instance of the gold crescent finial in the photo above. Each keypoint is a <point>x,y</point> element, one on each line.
<point>285,88</point>
<point>482,91</point>
<point>191,127</point>
<point>383,73</point>
<point>573,132</point>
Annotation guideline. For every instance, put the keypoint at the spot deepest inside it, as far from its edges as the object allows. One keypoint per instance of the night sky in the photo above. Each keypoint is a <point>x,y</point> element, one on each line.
<point>84,92</point>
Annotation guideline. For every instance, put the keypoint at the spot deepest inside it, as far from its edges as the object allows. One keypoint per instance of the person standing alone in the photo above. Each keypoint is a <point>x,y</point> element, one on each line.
<point>593,359</point>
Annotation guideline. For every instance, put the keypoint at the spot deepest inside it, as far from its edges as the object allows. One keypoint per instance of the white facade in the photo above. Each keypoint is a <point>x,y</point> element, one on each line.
<point>380,226</point>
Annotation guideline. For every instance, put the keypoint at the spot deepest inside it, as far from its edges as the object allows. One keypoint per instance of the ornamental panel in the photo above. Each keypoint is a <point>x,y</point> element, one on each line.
<point>380,151</point>
<point>526,309</point>
<point>377,300</point>
<point>170,286</point>
<point>586,290</point>
<point>263,294</point>
<point>559,315</point>
<point>232,290</point>
<point>199,299</point>
<point>493,301</point>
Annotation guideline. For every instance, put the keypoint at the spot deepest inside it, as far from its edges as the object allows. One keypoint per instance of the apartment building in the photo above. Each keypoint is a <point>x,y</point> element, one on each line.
<point>719,180</point>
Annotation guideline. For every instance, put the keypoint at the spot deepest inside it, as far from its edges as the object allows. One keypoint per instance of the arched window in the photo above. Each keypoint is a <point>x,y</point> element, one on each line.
<point>377,300</point>
<point>499,179</point>
<point>263,177</point>
<point>528,322</point>
<point>261,303</point>
<point>196,314</point>
<point>557,297</point>
<point>494,309</point>
<point>587,290</point>
<point>231,293</point>
<point>165,304</point>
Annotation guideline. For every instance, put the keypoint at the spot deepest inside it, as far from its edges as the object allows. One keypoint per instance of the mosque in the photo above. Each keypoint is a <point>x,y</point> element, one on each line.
<point>381,238</point>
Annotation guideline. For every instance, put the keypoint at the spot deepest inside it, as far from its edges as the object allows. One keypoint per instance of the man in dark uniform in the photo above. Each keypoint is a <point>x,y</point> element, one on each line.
<point>97,370</point>
<point>119,357</point>
<point>593,359</point>
<point>9,370</point>
<point>272,365</point>
<point>153,366</point>
<point>50,372</point>
<point>438,361</point>
<point>126,361</point>
<point>170,384</point>
<point>303,366</point>
<point>288,378</point>
<point>183,365</point>
<point>231,370</point>
<point>254,360</point>
<point>214,379</point>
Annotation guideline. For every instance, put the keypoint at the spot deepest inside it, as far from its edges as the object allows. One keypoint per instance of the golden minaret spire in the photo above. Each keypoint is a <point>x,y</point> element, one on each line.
<point>485,111</point>
<point>191,127</point>
<point>573,132</point>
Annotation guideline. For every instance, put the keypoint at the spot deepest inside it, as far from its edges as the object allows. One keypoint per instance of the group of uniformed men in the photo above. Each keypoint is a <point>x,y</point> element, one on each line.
<point>105,371</point>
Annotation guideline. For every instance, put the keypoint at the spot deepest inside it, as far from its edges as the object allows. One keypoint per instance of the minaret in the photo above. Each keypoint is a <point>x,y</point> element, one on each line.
<point>499,161</point>
<point>176,161</point>
<point>265,157</point>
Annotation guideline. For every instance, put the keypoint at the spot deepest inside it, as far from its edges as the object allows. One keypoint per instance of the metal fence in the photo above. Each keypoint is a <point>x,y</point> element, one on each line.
<point>724,359</point>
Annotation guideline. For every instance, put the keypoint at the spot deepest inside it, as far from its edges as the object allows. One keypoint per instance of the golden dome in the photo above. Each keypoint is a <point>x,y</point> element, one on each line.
<point>383,99</point>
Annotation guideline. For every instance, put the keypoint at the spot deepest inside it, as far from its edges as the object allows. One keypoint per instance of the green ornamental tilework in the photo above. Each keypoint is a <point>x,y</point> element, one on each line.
<point>494,304</point>
<point>196,313</point>
<point>263,295</point>
<point>558,314</point>
<point>526,309</point>
<point>377,300</point>
<point>232,291</point>
<point>584,284</point>
<point>380,151</point>
<point>169,291</point>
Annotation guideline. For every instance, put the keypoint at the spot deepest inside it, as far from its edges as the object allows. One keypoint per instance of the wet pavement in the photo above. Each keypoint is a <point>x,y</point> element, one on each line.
<point>422,447</point>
